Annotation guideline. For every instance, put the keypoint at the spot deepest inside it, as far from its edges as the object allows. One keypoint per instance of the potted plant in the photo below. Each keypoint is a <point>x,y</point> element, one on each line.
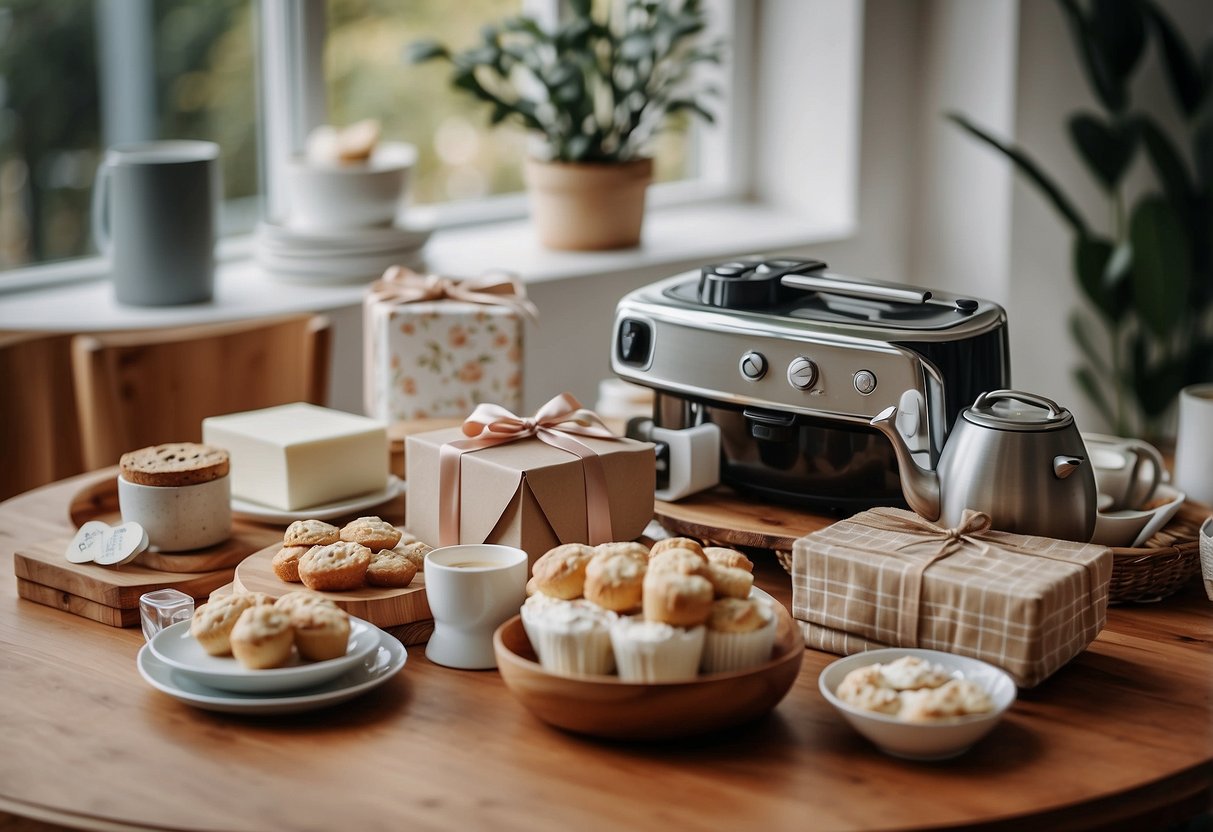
<point>1147,271</point>
<point>595,90</point>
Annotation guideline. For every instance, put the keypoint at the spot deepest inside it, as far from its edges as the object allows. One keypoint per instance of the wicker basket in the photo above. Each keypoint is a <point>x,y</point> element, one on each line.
<point>1168,560</point>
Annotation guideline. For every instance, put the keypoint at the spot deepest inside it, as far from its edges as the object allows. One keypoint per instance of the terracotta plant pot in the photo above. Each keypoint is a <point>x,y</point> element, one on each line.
<point>586,207</point>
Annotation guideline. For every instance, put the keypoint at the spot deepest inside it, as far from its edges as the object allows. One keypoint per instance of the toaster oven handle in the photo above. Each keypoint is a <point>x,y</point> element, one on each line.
<point>833,285</point>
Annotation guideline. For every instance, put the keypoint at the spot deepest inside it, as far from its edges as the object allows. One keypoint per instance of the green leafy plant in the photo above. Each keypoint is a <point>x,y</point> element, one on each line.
<point>1148,272</point>
<point>596,88</point>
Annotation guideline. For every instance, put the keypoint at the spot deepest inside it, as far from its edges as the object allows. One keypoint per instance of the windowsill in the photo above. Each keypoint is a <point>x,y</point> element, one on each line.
<point>674,235</point>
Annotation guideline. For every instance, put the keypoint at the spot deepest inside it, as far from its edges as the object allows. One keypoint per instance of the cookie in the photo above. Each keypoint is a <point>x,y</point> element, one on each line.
<point>286,563</point>
<point>683,561</point>
<point>311,533</point>
<point>728,557</point>
<point>615,581</point>
<point>212,622</point>
<point>174,464</point>
<point>729,581</point>
<point>677,599</point>
<point>262,637</point>
<point>372,533</point>
<point>635,550</point>
<point>675,543</point>
<point>560,572</point>
<point>390,568</point>
<point>415,551</point>
<point>335,567</point>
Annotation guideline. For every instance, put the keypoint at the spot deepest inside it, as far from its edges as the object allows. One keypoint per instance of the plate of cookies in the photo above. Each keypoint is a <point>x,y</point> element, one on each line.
<point>327,511</point>
<point>918,704</point>
<point>626,642</point>
<point>250,643</point>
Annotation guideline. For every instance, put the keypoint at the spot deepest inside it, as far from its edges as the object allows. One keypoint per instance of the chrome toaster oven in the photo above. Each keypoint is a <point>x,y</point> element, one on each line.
<point>791,362</point>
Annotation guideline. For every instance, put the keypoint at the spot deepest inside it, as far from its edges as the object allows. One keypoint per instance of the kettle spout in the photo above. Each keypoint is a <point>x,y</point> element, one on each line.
<point>919,485</point>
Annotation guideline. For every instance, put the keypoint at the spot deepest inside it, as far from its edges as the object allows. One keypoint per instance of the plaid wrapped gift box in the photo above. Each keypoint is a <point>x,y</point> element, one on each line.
<point>888,578</point>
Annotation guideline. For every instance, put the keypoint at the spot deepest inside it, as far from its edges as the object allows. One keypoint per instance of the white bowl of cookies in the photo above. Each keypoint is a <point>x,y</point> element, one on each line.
<point>250,643</point>
<point>625,642</point>
<point>918,704</point>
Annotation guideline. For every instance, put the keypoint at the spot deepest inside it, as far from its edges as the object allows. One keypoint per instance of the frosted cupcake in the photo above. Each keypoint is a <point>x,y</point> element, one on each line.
<point>570,637</point>
<point>653,651</point>
<point>740,635</point>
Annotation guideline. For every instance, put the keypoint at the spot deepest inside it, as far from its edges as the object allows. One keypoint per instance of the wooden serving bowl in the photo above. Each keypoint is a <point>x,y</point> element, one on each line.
<point>605,706</point>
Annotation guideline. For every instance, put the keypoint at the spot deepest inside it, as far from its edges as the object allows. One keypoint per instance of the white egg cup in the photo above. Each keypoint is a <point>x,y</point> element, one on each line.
<point>469,602</point>
<point>182,517</point>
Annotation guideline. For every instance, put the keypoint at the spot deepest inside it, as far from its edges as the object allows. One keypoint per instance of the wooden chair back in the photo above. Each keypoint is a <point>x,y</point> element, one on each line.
<point>39,442</point>
<point>145,388</point>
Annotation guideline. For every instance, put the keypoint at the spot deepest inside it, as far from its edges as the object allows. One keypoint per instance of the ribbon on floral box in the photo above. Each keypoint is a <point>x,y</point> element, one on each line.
<point>559,476</point>
<point>889,578</point>
<point>438,346</point>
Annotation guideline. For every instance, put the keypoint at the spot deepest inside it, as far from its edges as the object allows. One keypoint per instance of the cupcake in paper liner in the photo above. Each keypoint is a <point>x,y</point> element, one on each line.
<point>570,637</point>
<point>740,635</point>
<point>652,651</point>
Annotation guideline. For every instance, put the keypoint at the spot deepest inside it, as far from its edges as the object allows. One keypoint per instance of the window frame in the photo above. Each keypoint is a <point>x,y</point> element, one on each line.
<point>293,86</point>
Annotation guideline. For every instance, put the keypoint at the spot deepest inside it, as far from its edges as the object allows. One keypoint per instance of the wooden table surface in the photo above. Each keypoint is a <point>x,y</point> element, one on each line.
<point>1123,733</point>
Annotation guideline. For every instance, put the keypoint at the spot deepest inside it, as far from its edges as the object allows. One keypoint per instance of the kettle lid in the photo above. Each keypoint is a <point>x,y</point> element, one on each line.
<point>1016,410</point>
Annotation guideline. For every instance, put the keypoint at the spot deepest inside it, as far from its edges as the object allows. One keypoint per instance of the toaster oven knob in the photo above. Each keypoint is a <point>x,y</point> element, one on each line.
<point>802,373</point>
<point>865,381</point>
<point>753,366</point>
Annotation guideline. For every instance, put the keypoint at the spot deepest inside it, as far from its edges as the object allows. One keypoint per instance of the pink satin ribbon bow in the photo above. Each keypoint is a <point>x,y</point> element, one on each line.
<point>403,285</point>
<point>557,423</point>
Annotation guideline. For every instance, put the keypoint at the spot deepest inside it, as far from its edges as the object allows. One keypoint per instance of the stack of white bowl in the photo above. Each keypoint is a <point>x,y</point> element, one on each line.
<point>341,220</point>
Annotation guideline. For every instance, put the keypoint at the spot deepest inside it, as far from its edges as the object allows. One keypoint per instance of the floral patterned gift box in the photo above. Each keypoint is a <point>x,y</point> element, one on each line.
<point>439,346</point>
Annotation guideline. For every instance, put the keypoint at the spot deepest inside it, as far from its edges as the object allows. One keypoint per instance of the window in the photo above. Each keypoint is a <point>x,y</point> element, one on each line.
<point>77,76</point>
<point>463,160</point>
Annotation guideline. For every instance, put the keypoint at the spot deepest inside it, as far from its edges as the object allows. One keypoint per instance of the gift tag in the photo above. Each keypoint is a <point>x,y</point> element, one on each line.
<point>122,544</point>
<point>88,543</point>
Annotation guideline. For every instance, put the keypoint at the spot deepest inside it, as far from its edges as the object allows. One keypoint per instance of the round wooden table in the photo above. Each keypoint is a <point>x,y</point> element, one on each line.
<point>1123,734</point>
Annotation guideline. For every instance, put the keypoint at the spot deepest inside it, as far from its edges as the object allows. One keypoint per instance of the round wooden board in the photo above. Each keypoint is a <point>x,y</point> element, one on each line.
<point>382,606</point>
<point>722,516</point>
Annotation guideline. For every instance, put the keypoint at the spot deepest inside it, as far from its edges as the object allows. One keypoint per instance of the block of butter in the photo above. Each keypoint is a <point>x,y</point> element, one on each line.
<point>297,456</point>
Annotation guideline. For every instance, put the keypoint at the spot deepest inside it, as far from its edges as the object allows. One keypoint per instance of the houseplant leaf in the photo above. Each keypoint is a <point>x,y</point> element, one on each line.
<point>426,50</point>
<point>1107,86</point>
<point>1031,170</point>
<point>1090,387</point>
<point>1161,269</point>
<point>1157,386</point>
<point>1183,75</point>
<point>1168,164</point>
<point>1106,148</point>
<point>1081,333</point>
<point>1092,257</point>
<point>1119,31</point>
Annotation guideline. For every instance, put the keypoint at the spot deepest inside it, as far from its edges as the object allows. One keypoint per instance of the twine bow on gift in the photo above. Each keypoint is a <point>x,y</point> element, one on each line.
<point>403,285</point>
<point>557,423</point>
<point>973,524</point>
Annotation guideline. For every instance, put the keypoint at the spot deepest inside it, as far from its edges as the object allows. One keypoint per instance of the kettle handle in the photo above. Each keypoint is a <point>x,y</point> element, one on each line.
<point>1053,407</point>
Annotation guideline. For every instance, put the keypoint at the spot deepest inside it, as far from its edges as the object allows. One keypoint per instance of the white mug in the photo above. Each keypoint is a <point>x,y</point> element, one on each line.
<point>472,588</point>
<point>1126,470</point>
<point>1194,443</point>
<point>154,216</point>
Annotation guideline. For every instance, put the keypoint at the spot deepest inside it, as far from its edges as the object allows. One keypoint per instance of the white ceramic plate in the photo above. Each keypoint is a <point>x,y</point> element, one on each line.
<point>925,740</point>
<point>375,669</point>
<point>343,238</point>
<point>175,647</point>
<point>327,511</point>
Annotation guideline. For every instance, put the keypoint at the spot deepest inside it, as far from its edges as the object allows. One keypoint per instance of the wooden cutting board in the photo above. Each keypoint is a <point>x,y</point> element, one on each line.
<point>86,588</point>
<point>384,607</point>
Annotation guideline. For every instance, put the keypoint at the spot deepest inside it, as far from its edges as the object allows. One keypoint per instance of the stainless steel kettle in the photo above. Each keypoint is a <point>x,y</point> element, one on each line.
<point>1016,456</point>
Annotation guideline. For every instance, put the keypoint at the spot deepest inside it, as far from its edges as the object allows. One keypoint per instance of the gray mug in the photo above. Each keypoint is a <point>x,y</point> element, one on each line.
<point>154,216</point>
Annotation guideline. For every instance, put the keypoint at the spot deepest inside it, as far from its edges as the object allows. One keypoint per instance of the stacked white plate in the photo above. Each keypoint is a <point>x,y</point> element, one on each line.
<point>336,256</point>
<point>175,663</point>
